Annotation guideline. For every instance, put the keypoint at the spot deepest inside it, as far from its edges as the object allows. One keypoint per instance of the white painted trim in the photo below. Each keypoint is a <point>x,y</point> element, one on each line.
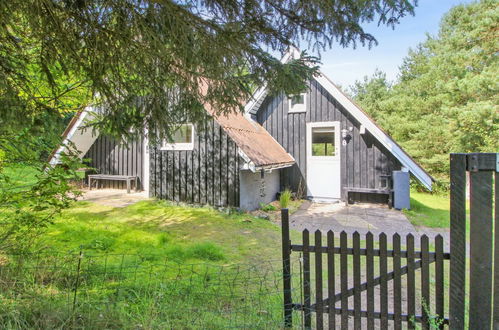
<point>71,134</point>
<point>381,136</point>
<point>361,116</point>
<point>180,146</point>
<point>146,162</point>
<point>298,108</point>
<point>337,127</point>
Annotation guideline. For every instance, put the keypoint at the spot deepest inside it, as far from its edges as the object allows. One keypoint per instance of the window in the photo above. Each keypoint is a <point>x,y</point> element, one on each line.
<point>182,139</point>
<point>298,103</point>
<point>323,141</point>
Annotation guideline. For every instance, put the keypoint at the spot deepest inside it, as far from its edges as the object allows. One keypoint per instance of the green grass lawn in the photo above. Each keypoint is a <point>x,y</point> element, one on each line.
<point>179,233</point>
<point>429,210</point>
<point>20,176</point>
<point>152,264</point>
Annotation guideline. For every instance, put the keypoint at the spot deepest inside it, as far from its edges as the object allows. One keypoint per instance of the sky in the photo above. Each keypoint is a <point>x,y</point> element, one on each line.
<point>345,66</point>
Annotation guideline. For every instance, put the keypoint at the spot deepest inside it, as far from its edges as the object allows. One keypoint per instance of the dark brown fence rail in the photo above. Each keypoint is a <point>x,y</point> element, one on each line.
<point>370,283</point>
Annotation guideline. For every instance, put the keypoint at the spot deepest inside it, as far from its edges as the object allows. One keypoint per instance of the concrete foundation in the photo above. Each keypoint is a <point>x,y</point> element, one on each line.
<point>250,185</point>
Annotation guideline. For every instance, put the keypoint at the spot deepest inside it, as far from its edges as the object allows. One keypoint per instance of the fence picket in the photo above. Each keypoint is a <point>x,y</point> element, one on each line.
<point>318,281</point>
<point>331,280</point>
<point>439,276</point>
<point>425,282</point>
<point>457,240</point>
<point>356,281</point>
<point>370,280</point>
<point>344,279</point>
<point>306,280</point>
<point>411,280</point>
<point>397,285</point>
<point>383,269</point>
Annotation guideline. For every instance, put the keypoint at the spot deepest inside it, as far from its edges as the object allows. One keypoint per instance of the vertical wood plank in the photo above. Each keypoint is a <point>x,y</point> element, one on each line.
<point>307,314</point>
<point>356,281</point>
<point>344,279</point>
<point>370,279</point>
<point>439,276</point>
<point>425,282</point>
<point>331,279</point>
<point>318,281</point>
<point>411,281</point>
<point>397,283</point>
<point>383,270</point>
<point>496,251</point>
<point>457,240</point>
<point>481,229</point>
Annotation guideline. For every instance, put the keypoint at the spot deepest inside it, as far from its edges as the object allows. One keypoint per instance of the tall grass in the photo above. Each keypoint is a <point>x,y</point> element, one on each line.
<point>136,291</point>
<point>285,198</point>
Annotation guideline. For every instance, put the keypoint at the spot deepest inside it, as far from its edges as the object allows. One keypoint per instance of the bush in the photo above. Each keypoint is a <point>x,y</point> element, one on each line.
<point>267,207</point>
<point>285,198</point>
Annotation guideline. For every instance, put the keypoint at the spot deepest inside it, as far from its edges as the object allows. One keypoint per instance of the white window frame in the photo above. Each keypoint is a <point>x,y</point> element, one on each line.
<point>326,124</point>
<point>180,146</point>
<point>297,108</point>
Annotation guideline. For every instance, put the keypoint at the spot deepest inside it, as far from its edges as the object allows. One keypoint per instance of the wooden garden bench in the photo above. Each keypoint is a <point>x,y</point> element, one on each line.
<point>127,178</point>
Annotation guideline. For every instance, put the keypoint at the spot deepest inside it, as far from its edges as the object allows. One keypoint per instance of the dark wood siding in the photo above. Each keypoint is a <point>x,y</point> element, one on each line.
<point>108,156</point>
<point>363,159</point>
<point>208,174</point>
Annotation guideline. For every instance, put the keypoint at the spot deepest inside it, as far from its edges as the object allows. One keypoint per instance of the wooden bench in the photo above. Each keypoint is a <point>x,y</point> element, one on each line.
<point>127,178</point>
<point>383,191</point>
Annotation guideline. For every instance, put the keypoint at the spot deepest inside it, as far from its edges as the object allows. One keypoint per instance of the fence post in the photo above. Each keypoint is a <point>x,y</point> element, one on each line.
<point>286,269</point>
<point>77,281</point>
<point>457,240</point>
<point>481,257</point>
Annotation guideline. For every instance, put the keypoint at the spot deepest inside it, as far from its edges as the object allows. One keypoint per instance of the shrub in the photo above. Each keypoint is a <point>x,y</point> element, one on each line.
<point>267,207</point>
<point>285,198</point>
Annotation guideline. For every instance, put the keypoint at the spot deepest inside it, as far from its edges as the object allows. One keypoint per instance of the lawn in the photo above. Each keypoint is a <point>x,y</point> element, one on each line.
<point>429,210</point>
<point>152,264</point>
<point>178,233</point>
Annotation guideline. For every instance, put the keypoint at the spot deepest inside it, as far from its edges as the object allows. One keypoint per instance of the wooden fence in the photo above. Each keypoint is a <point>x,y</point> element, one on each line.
<point>420,295</point>
<point>424,294</point>
<point>482,171</point>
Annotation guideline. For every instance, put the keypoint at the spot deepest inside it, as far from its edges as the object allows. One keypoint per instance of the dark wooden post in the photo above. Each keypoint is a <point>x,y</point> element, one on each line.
<point>286,269</point>
<point>457,240</point>
<point>496,248</point>
<point>481,229</point>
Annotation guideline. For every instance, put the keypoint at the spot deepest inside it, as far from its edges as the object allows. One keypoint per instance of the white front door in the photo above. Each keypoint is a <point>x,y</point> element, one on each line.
<point>323,161</point>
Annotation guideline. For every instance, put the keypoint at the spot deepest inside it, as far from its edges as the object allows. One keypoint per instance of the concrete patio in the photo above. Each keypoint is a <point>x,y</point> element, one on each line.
<point>361,218</point>
<point>113,197</point>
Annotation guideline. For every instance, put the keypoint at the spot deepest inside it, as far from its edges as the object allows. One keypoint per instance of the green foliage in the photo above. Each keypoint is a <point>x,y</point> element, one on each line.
<point>267,207</point>
<point>446,98</point>
<point>29,203</point>
<point>156,63</point>
<point>285,198</point>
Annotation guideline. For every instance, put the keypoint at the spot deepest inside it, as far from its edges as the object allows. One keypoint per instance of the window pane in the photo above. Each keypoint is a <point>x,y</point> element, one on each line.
<point>323,141</point>
<point>297,99</point>
<point>183,134</point>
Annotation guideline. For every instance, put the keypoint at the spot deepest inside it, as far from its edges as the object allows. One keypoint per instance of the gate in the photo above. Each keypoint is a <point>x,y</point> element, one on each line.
<point>381,285</point>
<point>366,279</point>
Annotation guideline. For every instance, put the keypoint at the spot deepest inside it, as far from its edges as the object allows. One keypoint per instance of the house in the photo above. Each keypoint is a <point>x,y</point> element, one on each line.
<point>320,144</point>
